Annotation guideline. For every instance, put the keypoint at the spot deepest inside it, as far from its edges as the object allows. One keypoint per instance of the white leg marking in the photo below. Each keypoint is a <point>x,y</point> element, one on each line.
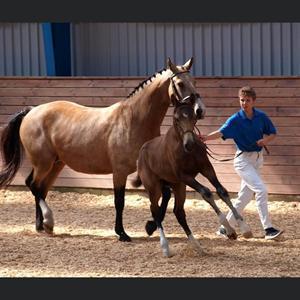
<point>47,214</point>
<point>195,243</point>
<point>164,243</point>
<point>245,229</point>
<point>225,223</point>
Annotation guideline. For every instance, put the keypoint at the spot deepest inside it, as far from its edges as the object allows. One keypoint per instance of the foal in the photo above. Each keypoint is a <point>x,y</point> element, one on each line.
<point>173,160</point>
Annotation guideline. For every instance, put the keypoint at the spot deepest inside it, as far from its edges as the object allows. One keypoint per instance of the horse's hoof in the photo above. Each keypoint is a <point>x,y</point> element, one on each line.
<point>150,227</point>
<point>247,235</point>
<point>48,229</point>
<point>232,236</point>
<point>124,238</point>
<point>39,228</point>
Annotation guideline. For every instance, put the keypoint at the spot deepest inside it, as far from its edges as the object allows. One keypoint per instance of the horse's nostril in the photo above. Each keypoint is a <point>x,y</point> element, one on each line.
<point>188,147</point>
<point>199,112</point>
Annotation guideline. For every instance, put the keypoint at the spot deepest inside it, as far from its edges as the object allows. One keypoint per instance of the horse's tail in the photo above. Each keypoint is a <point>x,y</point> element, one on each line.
<point>137,182</point>
<point>11,148</point>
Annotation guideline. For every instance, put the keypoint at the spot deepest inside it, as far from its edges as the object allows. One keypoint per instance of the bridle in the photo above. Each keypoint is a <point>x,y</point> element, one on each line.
<point>179,99</point>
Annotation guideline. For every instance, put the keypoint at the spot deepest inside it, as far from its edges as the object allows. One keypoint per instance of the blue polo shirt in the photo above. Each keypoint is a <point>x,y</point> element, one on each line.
<point>246,132</point>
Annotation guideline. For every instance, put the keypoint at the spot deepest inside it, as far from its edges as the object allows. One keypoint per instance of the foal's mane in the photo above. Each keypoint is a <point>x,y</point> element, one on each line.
<point>144,83</point>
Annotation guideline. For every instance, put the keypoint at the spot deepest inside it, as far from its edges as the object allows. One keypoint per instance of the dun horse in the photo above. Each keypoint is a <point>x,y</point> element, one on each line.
<point>173,160</point>
<point>92,140</point>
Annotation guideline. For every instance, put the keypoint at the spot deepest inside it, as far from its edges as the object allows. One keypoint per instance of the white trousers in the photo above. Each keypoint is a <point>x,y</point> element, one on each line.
<point>247,166</point>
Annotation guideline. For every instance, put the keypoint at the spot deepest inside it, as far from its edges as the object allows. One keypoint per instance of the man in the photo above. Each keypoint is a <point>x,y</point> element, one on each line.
<point>251,129</point>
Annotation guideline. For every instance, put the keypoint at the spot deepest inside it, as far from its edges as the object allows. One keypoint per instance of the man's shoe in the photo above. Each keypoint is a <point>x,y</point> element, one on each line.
<point>272,233</point>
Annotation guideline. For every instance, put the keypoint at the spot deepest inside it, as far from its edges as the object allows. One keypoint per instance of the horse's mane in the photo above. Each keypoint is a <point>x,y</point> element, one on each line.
<point>144,82</point>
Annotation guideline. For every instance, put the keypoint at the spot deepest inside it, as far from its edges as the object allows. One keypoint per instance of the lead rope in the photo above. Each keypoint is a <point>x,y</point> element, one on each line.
<point>210,152</point>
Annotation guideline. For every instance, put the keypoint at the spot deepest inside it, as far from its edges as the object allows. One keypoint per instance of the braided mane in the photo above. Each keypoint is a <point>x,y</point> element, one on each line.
<point>144,83</point>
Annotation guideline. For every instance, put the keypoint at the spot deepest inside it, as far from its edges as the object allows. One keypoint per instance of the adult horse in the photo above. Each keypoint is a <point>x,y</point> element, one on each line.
<point>93,140</point>
<point>173,160</point>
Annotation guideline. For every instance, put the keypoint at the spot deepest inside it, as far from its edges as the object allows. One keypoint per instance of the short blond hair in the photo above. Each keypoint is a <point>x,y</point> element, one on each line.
<point>247,91</point>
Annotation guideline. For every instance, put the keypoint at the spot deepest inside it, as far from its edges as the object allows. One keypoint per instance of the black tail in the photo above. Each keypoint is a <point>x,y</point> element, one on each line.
<point>11,148</point>
<point>136,182</point>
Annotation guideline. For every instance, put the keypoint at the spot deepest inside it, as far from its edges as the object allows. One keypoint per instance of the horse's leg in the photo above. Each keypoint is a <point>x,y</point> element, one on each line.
<point>166,195</point>
<point>41,193</point>
<point>208,197</point>
<point>38,212</point>
<point>44,215</point>
<point>210,174</point>
<point>180,195</point>
<point>119,182</point>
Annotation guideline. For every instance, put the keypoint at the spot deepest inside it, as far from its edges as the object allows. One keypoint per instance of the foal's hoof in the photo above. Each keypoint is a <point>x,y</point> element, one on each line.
<point>150,227</point>
<point>232,236</point>
<point>124,237</point>
<point>247,235</point>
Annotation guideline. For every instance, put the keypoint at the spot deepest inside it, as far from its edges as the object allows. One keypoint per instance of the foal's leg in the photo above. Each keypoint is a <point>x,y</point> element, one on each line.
<point>208,197</point>
<point>154,195</point>
<point>166,195</point>
<point>210,174</point>
<point>180,195</point>
<point>119,181</point>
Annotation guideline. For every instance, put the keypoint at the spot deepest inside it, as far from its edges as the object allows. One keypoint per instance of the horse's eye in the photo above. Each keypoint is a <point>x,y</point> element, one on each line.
<point>181,84</point>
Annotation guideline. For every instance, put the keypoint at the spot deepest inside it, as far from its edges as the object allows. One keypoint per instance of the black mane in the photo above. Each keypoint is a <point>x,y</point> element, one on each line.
<point>143,83</point>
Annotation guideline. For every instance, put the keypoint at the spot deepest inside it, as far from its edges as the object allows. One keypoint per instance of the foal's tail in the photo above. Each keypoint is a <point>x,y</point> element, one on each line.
<point>137,182</point>
<point>11,148</point>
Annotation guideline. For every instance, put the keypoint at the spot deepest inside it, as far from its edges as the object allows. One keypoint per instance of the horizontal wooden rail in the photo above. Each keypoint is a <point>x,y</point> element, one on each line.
<point>279,97</point>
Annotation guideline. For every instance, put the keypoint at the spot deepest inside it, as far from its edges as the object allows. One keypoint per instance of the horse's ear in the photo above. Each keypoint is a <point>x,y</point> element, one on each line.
<point>171,66</point>
<point>188,64</point>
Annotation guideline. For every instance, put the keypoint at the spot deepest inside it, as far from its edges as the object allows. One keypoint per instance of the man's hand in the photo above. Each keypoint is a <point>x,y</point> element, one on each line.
<point>261,143</point>
<point>202,138</point>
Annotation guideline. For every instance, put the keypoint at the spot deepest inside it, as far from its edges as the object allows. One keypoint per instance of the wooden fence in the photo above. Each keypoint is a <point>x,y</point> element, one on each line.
<point>279,97</point>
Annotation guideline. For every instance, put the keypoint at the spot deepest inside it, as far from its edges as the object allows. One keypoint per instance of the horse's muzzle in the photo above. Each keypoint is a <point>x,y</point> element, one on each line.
<point>199,113</point>
<point>188,142</point>
<point>199,108</point>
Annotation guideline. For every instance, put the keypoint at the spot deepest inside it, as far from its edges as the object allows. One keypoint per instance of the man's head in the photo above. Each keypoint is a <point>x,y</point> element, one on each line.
<point>247,91</point>
<point>247,98</point>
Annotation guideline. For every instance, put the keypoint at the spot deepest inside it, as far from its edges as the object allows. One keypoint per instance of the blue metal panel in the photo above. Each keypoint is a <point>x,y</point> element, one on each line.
<point>26,50</point>
<point>208,49</point>
<point>142,49</point>
<point>49,51</point>
<point>295,40</point>
<point>222,49</point>
<point>57,48</point>
<point>188,39</point>
<point>132,49</point>
<point>217,50</point>
<point>257,49</point>
<point>62,48</point>
<point>286,49</point>
<point>151,48</point>
<point>266,50</point>
<point>276,47</point>
<point>227,49</point>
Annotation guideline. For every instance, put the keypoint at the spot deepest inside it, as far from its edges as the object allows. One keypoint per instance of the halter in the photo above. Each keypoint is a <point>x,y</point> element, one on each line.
<point>183,100</point>
<point>181,131</point>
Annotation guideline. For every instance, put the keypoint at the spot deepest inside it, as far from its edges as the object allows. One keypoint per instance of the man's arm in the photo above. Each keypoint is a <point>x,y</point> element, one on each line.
<point>266,140</point>
<point>211,136</point>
